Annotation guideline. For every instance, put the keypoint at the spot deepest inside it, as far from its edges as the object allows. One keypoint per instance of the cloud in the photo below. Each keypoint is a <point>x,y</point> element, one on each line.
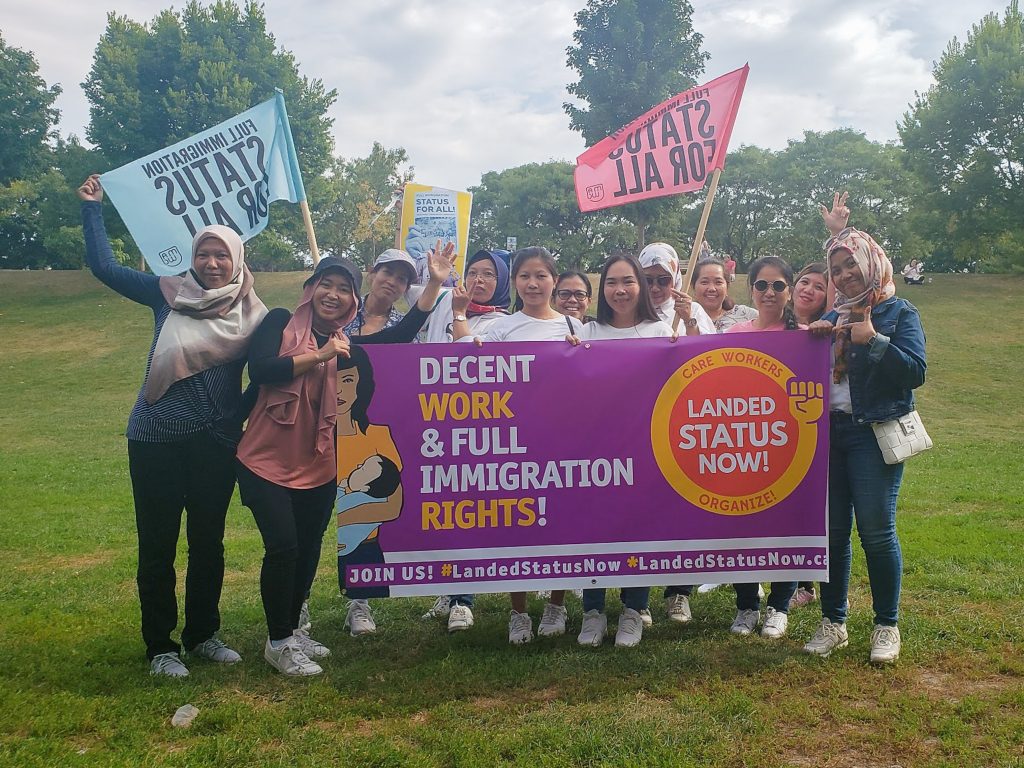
<point>468,86</point>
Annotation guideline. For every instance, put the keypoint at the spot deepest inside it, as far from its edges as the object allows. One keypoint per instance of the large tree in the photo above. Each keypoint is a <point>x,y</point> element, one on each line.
<point>154,84</point>
<point>536,204</point>
<point>964,137</point>
<point>27,114</point>
<point>630,55</point>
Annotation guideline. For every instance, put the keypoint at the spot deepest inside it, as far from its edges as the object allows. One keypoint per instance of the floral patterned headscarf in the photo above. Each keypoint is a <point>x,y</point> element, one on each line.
<point>876,270</point>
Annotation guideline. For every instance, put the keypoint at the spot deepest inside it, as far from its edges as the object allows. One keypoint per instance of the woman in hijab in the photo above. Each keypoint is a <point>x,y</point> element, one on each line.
<point>287,460</point>
<point>661,269</point>
<point>878,360</point>
<point>184,427</point>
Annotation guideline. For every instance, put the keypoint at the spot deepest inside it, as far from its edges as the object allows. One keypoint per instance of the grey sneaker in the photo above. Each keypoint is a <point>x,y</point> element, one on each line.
<point>305,623</point>
<point>309,646</point>
<point>167,665</point>
<point>440,608</point>
<point>646,618</point>
<point>216,650</point>
<point>290,660</point>
<point>828,638</point>
<point>885,644</point>
<point>745,622</point>
<point>678,608</point>
<point>520,628</point>
<point>359,619</point>
<point>552,622</point>
<point>460,618</point>
<point>631,629</point>
<point>595,627</point>
<point>775,624</point>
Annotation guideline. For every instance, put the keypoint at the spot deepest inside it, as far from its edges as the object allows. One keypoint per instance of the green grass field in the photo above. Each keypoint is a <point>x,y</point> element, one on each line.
<point>74,684</point>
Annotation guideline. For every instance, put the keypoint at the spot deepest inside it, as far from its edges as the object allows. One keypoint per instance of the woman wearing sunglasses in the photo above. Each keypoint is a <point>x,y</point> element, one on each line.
<point>771,288</point>
<point>661,270</point>
<point>879,359</point>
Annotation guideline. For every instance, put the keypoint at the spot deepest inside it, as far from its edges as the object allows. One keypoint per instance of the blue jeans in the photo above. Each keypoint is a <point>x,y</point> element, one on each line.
<point>861,485</point>
<point>778,598</point>
<point>632,597</point>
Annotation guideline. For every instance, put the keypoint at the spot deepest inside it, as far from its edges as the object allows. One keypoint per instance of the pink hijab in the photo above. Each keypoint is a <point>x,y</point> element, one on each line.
<point>290,436</point>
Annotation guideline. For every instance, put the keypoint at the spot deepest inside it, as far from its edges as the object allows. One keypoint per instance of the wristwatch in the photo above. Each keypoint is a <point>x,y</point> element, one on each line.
<point>690,322</point>
<point>459,318</point>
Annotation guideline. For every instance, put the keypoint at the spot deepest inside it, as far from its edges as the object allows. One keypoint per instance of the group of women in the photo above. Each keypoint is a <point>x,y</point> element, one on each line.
<point>186,445</point>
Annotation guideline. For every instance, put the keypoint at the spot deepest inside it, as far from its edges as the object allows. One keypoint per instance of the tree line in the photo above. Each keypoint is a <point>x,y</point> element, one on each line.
<point>948,192</point>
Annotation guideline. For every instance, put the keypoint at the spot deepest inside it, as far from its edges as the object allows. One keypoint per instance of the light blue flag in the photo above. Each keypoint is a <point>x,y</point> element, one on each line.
<point>228,174</point>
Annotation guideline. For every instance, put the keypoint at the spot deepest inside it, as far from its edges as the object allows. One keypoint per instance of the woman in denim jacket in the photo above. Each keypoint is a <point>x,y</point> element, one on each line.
<point>879,359</point>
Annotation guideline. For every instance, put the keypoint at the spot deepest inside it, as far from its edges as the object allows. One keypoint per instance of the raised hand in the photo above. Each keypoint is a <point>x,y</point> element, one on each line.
<point>91,189</point>
<point>461,297</point>
<point>683,304</point>
<point>440,261</point>
<point>836,219</point>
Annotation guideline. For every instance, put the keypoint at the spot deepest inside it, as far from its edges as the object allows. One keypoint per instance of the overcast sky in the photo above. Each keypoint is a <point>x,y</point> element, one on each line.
<point>470,86</point>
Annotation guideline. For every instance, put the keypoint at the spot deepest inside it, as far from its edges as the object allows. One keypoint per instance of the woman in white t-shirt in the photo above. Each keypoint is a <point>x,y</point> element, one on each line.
<point>624,311</point>
<point>534,274</point>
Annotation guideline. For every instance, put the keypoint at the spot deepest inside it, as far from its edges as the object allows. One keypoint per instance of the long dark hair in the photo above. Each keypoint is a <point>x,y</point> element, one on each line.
<point>645,311</point>
<point>365,387</point>
<point>788,316</point>
<point>524,255</point>
<point>815,268</point>
<point>727,302</point>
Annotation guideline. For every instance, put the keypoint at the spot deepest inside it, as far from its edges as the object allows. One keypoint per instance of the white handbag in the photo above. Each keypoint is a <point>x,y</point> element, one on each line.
<point>901,438</point>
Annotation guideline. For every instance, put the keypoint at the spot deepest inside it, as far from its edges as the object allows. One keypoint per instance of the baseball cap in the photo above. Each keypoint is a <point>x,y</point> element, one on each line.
<point>341,264</point>
<point>392,255</point>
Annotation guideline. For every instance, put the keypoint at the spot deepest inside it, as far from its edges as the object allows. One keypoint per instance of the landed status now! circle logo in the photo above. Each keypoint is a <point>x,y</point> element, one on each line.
<point>729,451</point>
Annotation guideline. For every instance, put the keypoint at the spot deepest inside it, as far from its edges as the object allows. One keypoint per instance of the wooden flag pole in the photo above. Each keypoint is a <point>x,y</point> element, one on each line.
<point>699,239</point>
<point>310,234</point>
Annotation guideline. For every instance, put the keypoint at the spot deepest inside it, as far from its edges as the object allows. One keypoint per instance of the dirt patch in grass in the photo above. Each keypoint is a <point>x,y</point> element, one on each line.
<point>37,563</point>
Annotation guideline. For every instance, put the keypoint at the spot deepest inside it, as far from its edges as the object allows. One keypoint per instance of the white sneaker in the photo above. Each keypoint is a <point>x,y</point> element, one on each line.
<point>359,619</point>
<point>646,618</point>
<point>216,650</point>
<point>745,622</point>
<point>631,629</point>
<point>440,608</point>
<point>520,628</point>
<point>885,644</point>
<point>678,608</point>
<point>775,623</point>
<point>460,618</point>
<point>578,593</point>
<point>595,627</point>
<point>309,646</point>
<point>803,597</point>
<point>552,622</point>
<point>167,665</point>
<point>760,592</point>
<point>290,660</point>
<point>705,588</point>
<point>828,638</point>
<point>544,594</point>
<point>305,623</point>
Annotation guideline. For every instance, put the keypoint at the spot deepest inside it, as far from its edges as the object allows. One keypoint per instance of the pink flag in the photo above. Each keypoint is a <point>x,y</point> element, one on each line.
<point>669,150</point>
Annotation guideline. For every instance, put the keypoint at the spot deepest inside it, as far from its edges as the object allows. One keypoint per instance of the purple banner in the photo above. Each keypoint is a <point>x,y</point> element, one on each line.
<point>520,466</point>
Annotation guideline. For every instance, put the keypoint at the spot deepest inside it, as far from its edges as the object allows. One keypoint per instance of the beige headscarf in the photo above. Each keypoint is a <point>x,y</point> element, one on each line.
<point>663,255</point>
<point>206,327</point>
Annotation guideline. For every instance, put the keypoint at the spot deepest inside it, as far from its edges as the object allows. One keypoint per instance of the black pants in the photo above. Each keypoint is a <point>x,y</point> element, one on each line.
<point>196,475</point>
<point>291,522</point>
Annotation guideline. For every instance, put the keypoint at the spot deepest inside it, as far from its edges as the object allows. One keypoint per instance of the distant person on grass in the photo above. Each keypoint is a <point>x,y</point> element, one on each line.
<point>287,468</point>
<point>878,360</point>
<point>913,273</point>
<point>184,427</point>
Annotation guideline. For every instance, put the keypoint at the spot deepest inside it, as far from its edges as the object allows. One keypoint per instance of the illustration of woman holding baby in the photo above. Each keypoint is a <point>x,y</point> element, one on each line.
<point>369,485</point>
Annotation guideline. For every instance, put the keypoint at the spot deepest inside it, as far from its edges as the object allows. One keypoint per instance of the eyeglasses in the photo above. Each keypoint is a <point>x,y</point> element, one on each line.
<point>663,281</point>
<point>776,285</point>
<point>565,294</point>
<point>481,276</point>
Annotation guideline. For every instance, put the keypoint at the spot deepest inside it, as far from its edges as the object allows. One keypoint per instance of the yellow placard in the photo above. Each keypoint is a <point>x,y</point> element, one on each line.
<point>430,214</point>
